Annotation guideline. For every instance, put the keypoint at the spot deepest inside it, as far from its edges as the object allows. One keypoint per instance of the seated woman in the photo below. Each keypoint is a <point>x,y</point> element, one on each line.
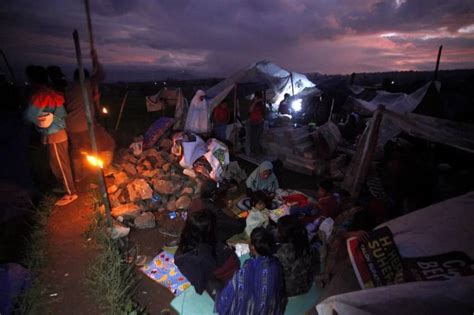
<point>226,226</point>
<point>294,255</point>
<point>262,179</point>
<point>258,287</point>
<point>207,264</point>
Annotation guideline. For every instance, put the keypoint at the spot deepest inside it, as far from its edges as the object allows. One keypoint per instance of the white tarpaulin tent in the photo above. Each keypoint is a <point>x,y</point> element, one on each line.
<point>275,80</point>
<point>437,229</point>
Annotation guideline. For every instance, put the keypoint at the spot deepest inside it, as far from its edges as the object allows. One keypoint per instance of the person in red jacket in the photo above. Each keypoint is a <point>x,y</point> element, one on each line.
<point>221,116</point>
<point>256,119</point>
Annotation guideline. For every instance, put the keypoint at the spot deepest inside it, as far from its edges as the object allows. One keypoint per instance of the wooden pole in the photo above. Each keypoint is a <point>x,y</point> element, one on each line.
<point>121,110</point>
<point>292,86</point>
<point>234,129</point>
<point>437,63</point>
<point>8,65</point>
<point>90,126</point>
<point>368,152</point>
<point>330,113</point>
<point>89,24</point>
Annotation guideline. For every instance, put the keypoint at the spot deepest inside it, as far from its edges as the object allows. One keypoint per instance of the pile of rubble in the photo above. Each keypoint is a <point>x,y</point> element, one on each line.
<point>149,183</point>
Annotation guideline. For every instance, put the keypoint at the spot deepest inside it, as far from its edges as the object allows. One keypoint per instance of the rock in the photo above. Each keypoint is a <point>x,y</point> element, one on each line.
<point>145,221</point>
<point>166,167</point>
<point>165,155</point>
<point>172,158</point>
<point>187,190</point>
<point>183,202</point>
<point>129,158</point>
<point>120,178</point>
<point>118,230</point>
<point>147,165</point>
<point>166,144</point>
<point>112,189</point>
<point>160,161</point>
<point>150,173</point>
<point>129,168</point>
<point>165,187</point>
<point>129,210</point>
<point>171,205</point>
<point>139,189</point>
<point>189,172</point>
<point>151,153</point>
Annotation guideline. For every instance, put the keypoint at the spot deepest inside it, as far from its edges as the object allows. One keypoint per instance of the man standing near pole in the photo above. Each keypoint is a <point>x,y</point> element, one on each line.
<point>46,111</point>
<point>76,119</point>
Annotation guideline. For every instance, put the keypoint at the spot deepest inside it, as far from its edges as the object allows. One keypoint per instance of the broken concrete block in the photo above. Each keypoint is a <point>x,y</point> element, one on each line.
<point>150,173</point>
<point>147,165</point>
<point>139,189</point>
<point>129,168</point>
<point>171,205</point>
<point>118,230</point>
<point>166,167</point>
<point>129,158</point>
<point>112,189</point>
<point>129,210</point>
<point>145,221</point>
<point>120,178</point>
<point>166,144</point>
<point>187,191</point>
<point>183,202</point>
<point>165,186</point>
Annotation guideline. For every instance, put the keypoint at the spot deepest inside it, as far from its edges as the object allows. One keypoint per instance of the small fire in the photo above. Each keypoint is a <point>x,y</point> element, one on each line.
<point>105,110</point>
<point>95,161</point>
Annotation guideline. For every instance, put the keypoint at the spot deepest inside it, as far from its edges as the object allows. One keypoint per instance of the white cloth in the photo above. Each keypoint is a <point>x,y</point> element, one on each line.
<point>197,120</point>
<point>255,219</point>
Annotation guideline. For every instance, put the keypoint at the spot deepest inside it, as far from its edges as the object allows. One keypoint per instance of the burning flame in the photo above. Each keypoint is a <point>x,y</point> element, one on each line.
<point>105,110</point>
<point>95,161</point>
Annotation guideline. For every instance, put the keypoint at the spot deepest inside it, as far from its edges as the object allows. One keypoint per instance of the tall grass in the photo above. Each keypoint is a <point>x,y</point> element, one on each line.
<point>111,279</point>
<point>34,258</point>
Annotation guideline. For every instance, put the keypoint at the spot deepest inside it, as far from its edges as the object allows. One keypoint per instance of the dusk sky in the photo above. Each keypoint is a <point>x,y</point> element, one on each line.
<point>140,39</point>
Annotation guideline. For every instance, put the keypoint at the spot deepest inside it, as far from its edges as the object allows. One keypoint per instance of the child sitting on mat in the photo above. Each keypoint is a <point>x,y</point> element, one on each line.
<point>258,216</point>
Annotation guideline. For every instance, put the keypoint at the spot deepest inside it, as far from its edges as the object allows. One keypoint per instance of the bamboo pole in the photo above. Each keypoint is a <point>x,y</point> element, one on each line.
<point>437,63</point>
<point>90,126</point>
<point>368,152</point>
<point>121,110</point>
<point>89,24</point>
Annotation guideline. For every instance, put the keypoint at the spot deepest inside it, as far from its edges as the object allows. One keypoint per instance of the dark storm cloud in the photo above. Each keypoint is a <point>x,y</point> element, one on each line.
<point>221,36</point>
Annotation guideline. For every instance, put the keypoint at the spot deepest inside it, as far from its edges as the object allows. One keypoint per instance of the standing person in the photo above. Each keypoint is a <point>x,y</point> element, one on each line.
<point>256,119</point>
<point>46,111</point>
<point>197,120</point>
<point>284,107</point>
<point>221,117</point>
<point>257,288</point>
<point>76,120</point>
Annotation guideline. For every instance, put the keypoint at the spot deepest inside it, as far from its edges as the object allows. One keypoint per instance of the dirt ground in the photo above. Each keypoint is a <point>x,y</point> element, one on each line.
<point>69,255</point>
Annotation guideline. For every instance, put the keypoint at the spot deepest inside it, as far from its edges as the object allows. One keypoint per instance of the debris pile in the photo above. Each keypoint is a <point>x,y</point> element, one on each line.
<point>149,183</point>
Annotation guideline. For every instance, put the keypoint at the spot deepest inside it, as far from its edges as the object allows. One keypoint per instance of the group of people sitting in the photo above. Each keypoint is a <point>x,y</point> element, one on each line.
<point>282,263</point>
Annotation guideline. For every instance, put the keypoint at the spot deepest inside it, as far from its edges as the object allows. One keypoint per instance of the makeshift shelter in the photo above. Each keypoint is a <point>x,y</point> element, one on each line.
<point>166,98</point>
<point>387,124</point>
<point>263,75</point>
<point>436,229</point>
